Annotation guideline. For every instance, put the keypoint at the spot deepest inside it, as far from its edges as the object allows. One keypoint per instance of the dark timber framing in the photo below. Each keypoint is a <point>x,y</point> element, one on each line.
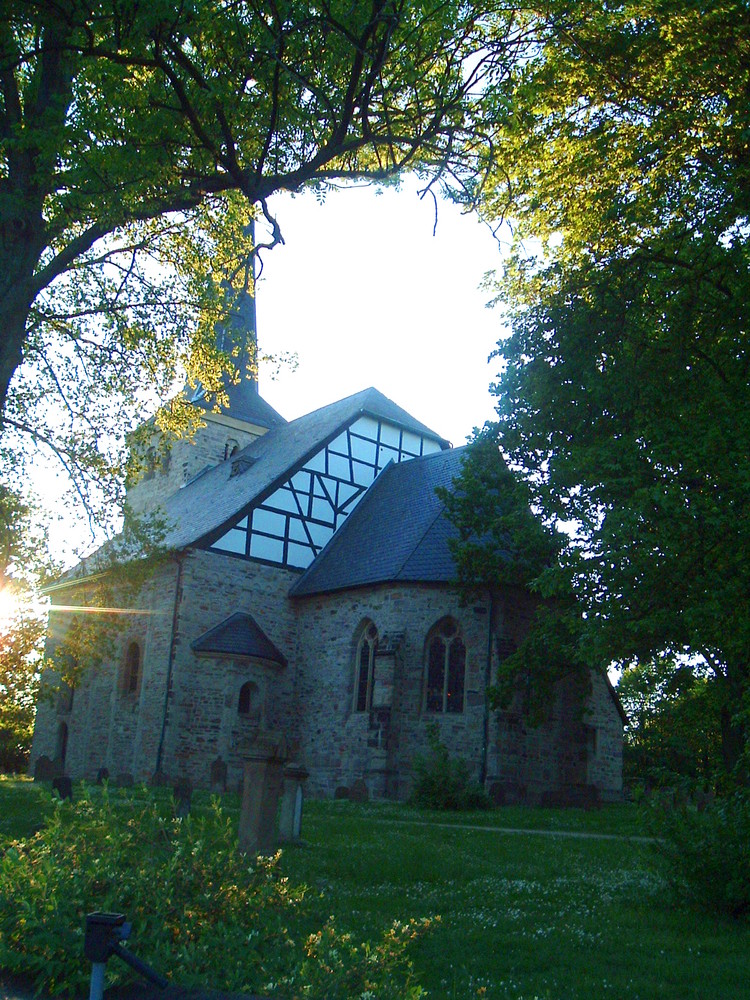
<point>291,522</point>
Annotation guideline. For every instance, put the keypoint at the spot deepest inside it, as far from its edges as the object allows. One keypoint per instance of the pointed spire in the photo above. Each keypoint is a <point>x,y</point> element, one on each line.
<point>239,332</point>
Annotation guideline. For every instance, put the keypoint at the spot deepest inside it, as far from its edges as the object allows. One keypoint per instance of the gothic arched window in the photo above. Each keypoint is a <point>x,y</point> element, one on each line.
<point>364,668</point>
<point>445,668</point>
<point>131,678</point>
<point>62,742</point>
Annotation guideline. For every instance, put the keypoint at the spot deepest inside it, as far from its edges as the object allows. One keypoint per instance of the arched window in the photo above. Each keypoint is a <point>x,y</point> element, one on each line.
<point>445,668</point>
<point>65,699</point>
<point>62,742</point>
<point>150,469</point>
<point>131,678</point>
<point>247,703</point>
<point>231,448</point>
<point>364,668</point>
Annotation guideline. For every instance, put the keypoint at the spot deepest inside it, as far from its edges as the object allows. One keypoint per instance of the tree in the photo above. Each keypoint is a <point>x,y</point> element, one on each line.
<point>674,730</point>
<point>137,143</point>
<point>503,547</point>
<point>624,393</point>
<point>22,626</point>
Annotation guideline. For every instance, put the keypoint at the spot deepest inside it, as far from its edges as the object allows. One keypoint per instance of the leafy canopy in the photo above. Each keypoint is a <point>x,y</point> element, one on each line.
<point>138,142</point>
<point>624,390</point>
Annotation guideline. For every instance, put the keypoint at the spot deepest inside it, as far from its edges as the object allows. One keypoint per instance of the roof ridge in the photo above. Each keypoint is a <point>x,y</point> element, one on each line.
<point>334,541</point>
<point>421,539</point>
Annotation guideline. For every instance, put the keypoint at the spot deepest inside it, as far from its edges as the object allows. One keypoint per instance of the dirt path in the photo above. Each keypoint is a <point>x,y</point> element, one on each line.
<point>512,830</point>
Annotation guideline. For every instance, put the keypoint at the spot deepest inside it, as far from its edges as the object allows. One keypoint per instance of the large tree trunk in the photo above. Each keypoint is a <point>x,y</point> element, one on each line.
<point>16,296</point>
<point>12,335</point>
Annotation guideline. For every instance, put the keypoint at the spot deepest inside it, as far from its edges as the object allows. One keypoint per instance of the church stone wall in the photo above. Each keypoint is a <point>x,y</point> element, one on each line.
<point>185,458</point>
<point>311,700</point>
<point>341,745</point>
<point>203,720</point>
<point>108,726</point>
<point>605,762</point>
<point>579,744</point>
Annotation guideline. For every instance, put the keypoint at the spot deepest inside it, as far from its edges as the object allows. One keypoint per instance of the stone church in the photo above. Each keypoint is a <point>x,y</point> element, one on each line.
<point>308,593</point>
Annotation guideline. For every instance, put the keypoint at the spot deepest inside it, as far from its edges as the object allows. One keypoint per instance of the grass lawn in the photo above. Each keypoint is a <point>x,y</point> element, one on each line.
<point>522,915</point>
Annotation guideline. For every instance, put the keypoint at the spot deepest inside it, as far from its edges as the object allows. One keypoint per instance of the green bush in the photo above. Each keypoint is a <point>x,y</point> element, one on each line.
<point>706,854</point>
<point>201,913</point>
<point>444,782</point>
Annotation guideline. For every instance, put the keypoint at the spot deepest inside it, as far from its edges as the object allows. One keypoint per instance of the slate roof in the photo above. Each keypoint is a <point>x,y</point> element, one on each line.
<point>397,532</point>
<point>244,403</point>
<point>238,635</point>
<point>202,510</point>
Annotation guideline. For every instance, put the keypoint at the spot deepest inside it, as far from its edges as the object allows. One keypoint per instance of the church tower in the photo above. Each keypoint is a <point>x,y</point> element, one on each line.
<point>244,417</point>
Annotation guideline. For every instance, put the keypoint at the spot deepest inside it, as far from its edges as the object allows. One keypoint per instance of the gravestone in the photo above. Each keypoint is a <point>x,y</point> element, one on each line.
<point>63,786</point>
<point>262,781</point>
<point>159,779</point>
<point>218,776</point>
<point>342,792</point>
<point>292,796</point>
<point>183,794</point>
<point>102,775</point>
<point>45,769</point>
<point>359,792</point>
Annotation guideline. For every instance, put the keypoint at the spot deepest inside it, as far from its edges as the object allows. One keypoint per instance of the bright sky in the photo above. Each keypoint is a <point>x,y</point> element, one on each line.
<point>366,295</point>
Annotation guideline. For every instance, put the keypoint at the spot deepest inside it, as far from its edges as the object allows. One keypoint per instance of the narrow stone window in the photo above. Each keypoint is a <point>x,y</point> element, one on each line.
<point>65,699</point>
<point>445,668</point>
<point>131,680</point>
<point>364,668</point>
<point>62,742</point>
<point>248,704</point>
<point>151,461</point>
<point>231,448</point>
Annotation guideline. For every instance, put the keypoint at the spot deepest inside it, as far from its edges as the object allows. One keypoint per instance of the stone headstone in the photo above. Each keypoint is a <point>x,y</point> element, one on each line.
<point>183,794</point>
<point>342,792</point>
<point>262,782</point>
<point>359,792</point>
<point>571,797</point>
<point>292,798</point>
<point>218,776</point>
<point>506,793</point>
<point>124,780</point>
<point>45,769</point>
<point>102,775</point>
<point>63,786</point>
<point>159,779</point>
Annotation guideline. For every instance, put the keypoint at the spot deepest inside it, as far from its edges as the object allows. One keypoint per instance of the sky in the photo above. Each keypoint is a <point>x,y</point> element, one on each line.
<point>366,295</point>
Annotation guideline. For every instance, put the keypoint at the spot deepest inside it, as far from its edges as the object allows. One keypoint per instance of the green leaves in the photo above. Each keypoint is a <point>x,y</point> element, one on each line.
<point>625,392</point>
<point>137,144</point>
<point>201,913</point>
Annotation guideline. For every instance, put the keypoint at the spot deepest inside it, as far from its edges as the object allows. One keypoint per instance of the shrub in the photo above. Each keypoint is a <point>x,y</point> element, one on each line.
<point>201,912</point>
<point>444,782</point>
<point>706,854</point>
<point>337,968</point>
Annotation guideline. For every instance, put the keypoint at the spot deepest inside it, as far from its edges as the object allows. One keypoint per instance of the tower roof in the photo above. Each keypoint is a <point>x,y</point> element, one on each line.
<point>239,333</point>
